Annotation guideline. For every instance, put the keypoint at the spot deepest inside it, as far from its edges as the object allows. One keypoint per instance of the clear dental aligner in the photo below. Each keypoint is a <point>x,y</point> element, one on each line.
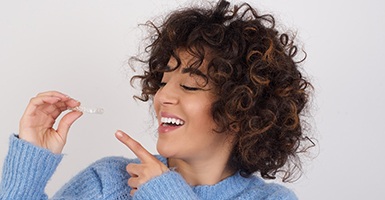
<point>89,110</point>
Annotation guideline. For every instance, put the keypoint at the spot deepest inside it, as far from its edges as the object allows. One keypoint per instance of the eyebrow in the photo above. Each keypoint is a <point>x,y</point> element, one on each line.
<point>190,70</point>
<point>185,70</point>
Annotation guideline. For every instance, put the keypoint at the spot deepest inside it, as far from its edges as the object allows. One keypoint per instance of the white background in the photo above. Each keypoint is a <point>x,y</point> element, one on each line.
<point>81,47</point>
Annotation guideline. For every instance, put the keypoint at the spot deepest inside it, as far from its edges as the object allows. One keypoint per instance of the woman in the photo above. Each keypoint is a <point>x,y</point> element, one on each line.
<point>228,97</point>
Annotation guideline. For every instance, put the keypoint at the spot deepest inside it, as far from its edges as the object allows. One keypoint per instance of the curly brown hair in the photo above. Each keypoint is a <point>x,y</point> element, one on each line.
<point>261,93</point>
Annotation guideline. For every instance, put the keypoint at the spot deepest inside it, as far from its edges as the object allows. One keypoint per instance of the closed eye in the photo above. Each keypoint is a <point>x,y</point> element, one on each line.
<point>190,88</point>
<point>162,84</point>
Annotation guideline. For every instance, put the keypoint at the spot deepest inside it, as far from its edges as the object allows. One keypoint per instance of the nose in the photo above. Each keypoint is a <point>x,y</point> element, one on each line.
<point>167,95</point>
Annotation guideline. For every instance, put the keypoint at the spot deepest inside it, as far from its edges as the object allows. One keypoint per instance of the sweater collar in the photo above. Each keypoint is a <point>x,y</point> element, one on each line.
<point>232,185</point>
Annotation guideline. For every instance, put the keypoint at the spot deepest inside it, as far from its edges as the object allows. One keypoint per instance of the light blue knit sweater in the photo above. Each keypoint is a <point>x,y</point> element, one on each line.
<point>28,168</point>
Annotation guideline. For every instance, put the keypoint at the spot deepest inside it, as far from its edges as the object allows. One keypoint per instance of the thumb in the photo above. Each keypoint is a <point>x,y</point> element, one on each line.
<point>66,122</point>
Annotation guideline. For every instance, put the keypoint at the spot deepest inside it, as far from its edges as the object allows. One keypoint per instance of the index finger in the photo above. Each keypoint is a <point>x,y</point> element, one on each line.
<point>135,147</point>
<point>53,93</point>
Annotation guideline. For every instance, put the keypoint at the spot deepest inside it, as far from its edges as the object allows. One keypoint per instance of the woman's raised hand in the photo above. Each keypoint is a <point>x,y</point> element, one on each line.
<point>36,124</point>
<point>148,168</point>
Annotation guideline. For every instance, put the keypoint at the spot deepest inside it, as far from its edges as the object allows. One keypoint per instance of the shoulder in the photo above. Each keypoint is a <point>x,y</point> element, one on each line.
<point>111,171</point>
<point>114,167</point>
<point>104,179</point>
<point>117,162</point>
<point>110,168</point>
<point>112,162</point>
<point>268,190</point>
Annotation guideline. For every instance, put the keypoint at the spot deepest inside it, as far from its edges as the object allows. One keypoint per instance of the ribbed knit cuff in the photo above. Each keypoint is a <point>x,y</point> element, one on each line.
<point>169,185</point>
<point>27,169</point>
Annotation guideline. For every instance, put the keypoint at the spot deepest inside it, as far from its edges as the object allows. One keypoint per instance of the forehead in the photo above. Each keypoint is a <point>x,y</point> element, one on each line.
<point>187,60</point>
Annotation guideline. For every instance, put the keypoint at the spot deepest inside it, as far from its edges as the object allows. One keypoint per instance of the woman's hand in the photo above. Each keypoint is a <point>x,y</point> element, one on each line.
<point>149,167</point>
<point>36,124</point>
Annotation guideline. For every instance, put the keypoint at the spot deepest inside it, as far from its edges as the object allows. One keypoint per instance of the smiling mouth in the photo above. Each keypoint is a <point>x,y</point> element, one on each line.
<point>169,121</point>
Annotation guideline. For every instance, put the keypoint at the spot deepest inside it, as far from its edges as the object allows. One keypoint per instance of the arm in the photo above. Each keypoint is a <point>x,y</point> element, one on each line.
<point>26,170</point>
<point>33,157</point>
<point>104,179</point>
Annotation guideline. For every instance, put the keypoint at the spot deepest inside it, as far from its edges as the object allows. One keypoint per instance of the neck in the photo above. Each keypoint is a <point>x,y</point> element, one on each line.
<point>201,173</point>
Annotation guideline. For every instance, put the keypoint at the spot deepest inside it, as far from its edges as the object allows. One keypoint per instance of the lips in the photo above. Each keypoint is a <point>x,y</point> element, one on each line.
<point>169,122</point>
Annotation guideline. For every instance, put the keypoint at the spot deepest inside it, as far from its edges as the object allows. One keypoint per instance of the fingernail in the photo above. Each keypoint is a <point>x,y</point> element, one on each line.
<point>75,100</point>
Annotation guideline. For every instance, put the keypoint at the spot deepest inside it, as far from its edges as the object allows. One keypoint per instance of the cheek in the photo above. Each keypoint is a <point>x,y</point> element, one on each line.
<point>201,114</point>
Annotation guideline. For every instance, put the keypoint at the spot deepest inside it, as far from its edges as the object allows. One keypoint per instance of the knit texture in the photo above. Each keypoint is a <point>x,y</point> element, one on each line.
<point>28,168</point>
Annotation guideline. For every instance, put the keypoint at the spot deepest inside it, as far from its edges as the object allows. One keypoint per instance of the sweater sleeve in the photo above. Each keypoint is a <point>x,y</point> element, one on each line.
<point>169,185</point>
<point>26,170</point>
<point>104,179</point>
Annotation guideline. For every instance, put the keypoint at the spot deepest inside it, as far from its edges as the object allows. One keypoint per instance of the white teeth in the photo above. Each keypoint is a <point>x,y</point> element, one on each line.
<point>170,120</point>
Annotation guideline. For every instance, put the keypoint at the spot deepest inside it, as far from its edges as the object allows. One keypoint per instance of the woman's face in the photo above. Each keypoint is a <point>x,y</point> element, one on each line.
<point>183,109</point>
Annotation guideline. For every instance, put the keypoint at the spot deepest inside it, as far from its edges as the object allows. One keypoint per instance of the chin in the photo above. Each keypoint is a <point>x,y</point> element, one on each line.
<point>164,150</point>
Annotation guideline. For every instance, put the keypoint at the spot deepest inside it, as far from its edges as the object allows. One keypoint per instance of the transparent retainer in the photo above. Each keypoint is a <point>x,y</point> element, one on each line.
<point>88,110</point>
